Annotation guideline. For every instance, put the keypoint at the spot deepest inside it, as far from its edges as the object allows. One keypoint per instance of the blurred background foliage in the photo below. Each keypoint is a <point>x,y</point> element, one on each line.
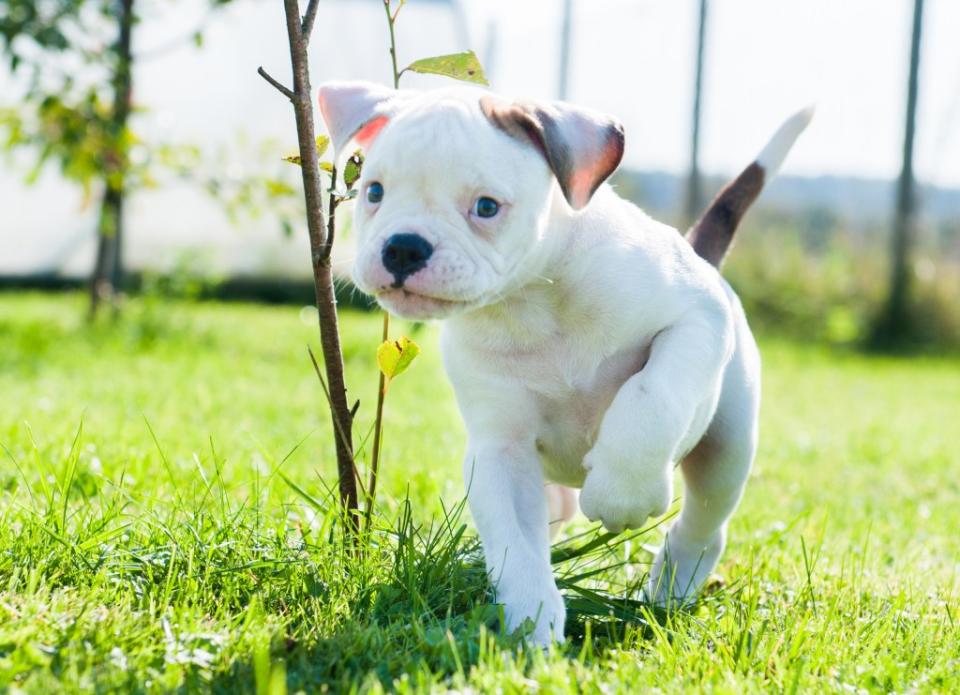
<point>811,271</point>
<point>77,60</point>
<point>812,262</point>
<point>831,288</point>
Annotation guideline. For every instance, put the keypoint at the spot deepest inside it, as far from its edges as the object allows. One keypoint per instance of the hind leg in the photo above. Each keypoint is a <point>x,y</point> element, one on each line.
<point>715,473</point>
<point>561,506</point>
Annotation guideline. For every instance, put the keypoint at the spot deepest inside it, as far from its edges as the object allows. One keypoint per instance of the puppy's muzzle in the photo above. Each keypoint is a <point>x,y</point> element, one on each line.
<point>405,254</point>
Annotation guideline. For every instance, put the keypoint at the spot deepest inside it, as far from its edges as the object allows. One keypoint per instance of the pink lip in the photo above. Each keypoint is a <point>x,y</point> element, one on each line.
<point>417,306</point>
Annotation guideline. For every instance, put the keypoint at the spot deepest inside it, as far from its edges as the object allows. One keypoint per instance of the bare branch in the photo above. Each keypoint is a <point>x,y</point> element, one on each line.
<point>316,367</point>
<point>288,93</point>
<point>344,439</point>
<point>391,19</point>
<point>307,26</point>
<point>377,433</point>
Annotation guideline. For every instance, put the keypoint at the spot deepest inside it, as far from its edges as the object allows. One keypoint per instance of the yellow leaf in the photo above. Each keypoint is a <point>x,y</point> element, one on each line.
<point>322,143</point>
<point>293,159</point>
<point>394,356</point>
<point>327,167</point>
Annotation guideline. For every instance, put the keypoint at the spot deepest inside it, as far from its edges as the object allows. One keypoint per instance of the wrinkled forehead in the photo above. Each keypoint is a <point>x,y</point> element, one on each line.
<point>446,135</point>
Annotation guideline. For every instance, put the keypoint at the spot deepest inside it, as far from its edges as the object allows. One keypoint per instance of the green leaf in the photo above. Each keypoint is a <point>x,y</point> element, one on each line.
<point>460,66</point>
<point>327,167</point>
<point>394,356</point>
<point>322,143</point>
<point>351,172</point>
<point>293,159</point>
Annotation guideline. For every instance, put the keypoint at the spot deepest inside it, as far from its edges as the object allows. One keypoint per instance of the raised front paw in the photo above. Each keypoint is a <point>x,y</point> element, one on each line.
<point>623,495</point>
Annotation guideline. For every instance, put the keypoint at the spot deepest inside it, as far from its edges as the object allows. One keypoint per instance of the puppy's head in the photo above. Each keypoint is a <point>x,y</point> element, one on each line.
<point>458,188</point>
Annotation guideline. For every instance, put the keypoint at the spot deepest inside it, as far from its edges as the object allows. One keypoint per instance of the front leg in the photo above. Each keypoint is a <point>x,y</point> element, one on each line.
<point>629,474</point>
<point>506,495</point>
<point>505,487</point>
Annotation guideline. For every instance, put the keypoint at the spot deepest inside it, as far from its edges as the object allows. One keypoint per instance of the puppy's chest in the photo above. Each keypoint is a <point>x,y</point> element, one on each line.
<point>572,391</point>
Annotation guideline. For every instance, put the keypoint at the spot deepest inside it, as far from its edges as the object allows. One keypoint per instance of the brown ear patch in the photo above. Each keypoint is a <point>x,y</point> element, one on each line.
<point>581,149</point>
<point>514,120</point>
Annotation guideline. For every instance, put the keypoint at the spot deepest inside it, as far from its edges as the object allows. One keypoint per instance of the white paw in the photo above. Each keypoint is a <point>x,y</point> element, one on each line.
<point>623,495</point>
<point>681,568</point>
<point>545,610</point>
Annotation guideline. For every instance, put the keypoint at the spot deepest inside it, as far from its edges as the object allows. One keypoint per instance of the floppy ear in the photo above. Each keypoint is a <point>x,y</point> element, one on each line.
<point>582,147</point>
<point>356,110</point>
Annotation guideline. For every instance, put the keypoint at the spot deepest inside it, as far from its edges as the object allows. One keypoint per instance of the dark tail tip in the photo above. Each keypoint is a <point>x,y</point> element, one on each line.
<point>712,235</point>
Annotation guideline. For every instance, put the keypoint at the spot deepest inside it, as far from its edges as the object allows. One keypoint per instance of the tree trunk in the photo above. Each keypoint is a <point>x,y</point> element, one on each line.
<point>894,325</point>
<point>101,280</point>
<point>107,277</point>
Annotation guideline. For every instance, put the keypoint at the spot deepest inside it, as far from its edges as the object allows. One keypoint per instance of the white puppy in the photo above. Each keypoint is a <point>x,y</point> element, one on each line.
<point>589,346</point>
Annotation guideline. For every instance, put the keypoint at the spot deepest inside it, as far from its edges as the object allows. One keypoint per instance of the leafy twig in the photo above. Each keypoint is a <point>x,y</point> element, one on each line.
<point>382,383</point>
<point>391,21</point>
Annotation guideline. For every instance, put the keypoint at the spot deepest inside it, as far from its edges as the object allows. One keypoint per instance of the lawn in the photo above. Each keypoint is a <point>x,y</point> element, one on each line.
<point>165,525</point>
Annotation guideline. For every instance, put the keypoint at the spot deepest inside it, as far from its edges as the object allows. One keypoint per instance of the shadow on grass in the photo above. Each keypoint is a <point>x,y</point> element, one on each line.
<point>211,592</point>
<point>426,613</point>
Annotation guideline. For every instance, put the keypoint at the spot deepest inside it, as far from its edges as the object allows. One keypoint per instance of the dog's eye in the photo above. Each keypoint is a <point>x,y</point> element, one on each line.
<point>486,207</point>
<point>375,192</point>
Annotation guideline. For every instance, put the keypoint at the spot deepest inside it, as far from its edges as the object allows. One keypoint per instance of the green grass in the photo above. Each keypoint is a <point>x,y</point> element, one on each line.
<point>149,540</point>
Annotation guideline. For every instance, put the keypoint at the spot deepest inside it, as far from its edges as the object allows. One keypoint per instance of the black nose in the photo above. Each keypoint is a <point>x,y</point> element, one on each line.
<point>405,254</point>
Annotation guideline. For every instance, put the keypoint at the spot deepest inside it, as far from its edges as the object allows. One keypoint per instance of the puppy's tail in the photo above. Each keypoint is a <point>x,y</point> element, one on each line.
<point>712,234</point>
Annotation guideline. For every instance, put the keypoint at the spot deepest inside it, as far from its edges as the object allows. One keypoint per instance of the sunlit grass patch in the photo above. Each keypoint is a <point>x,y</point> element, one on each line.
<point>167,522</point>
